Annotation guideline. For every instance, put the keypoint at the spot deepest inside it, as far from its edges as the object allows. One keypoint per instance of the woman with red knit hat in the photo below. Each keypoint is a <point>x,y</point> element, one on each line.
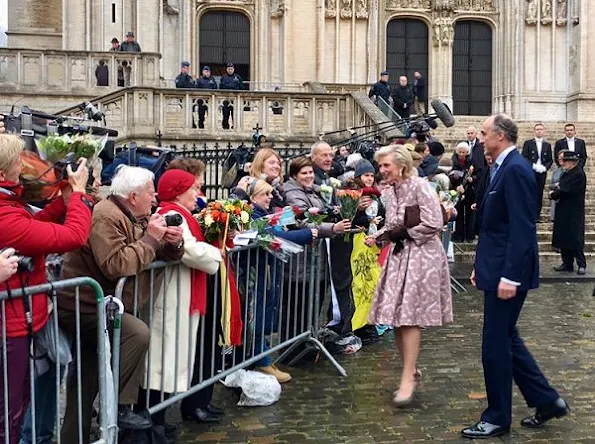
<point>170,327</point>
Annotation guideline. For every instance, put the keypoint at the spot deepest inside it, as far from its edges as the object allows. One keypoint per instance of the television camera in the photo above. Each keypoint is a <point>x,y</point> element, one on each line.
<point>419,126</point>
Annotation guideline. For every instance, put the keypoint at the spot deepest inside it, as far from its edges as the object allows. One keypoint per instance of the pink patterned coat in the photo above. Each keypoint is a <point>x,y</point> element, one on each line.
<point>414,286</point>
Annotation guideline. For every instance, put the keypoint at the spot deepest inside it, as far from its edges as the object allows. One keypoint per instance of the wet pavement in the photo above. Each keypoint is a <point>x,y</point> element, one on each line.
<point>318,406</point>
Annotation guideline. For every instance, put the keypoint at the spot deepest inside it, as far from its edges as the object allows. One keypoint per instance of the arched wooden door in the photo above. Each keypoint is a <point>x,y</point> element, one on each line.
<point>472,69</point>
<point>406,48</point>
<point>224,36</point>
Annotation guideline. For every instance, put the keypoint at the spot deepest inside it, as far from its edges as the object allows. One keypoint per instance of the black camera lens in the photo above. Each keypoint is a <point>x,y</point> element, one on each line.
<point>173,220</point>
<point>25,264</point>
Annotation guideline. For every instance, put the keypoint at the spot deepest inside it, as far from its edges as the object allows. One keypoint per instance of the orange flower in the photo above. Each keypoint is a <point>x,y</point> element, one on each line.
<point>223,217</point>
<point>238,211</point>
<point>217,205</point>
<point>216,214</point>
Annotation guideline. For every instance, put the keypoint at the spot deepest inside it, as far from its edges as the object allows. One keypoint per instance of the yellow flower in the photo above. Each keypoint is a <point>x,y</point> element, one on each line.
<point>244,217</point>
<point>209,220</point>
<point>229,208</point>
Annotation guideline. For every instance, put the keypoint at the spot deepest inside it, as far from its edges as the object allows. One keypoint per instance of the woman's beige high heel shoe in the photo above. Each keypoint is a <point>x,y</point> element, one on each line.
<point>402,402</point>
<point>417,375</point>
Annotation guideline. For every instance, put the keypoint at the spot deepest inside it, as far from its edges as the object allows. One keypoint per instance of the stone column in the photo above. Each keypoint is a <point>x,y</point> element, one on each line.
<point>440,81</point>
<point>373,25</point>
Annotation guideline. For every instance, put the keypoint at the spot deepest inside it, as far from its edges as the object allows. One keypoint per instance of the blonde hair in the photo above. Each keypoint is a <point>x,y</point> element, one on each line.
<point>399,156</point>
<point>254,186</point>
<point>257,166</point>
<point>11,147</point>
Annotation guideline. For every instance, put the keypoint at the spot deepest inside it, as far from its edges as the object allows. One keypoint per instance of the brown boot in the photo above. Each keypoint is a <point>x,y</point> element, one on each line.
<point>273,370</point>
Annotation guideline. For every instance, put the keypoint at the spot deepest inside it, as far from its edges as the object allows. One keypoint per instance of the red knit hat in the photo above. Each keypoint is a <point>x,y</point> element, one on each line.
<point>173,183</point>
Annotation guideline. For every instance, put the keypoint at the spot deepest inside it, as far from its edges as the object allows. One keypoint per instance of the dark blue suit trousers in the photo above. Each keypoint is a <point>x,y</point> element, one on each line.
<point>505,358</point>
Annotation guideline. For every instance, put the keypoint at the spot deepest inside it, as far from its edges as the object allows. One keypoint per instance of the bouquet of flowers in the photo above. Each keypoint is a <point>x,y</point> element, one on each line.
<point>45,174</point>
<point>372,210</point>
<point>349,201</point>
<point>266,239</point>
<point>335,183</point>
<point>326,192</point>
<point>221,216</point>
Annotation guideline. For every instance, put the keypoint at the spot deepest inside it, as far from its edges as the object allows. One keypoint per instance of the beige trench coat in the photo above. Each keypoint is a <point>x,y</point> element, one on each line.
<point>164,335</point>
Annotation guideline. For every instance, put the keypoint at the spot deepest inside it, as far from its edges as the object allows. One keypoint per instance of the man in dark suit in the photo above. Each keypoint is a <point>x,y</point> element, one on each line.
<point>571,143</point>
<point>506,268</point>
<point>420,93</point>
<point>539,153</point>
<point>403,98</point>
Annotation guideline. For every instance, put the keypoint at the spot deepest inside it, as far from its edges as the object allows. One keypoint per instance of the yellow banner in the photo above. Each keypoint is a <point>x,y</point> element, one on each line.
<point>366,272</point>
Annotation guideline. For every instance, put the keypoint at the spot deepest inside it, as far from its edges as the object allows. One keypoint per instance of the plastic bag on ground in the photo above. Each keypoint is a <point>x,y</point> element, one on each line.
<point>258,389</point>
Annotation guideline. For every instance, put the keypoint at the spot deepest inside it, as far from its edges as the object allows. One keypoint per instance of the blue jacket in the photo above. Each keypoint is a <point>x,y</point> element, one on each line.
<point>507,245</point>
<point>233,81</point>
<point>206,83</point>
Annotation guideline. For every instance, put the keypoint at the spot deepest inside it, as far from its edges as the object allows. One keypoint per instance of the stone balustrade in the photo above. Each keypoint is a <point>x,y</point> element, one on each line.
<point>141,113</point>
<point>73,72</point>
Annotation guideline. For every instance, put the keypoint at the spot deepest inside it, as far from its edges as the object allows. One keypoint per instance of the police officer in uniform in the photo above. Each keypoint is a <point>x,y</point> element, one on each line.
<point>184,79</point>
<point>205,82</point>
<point>231,81</point>
<point>381,89</point>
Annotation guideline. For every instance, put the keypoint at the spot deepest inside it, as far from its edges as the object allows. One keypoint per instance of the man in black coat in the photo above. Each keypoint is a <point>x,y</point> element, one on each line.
<point>420,93</point>
<point>569,220</point>
<point>539,153</point>
<point>571,143</point>
<point>232,81</point>
<point>184,79</point>
<point>403,98</point>
<point>476,152</point>
<point>381,90</point>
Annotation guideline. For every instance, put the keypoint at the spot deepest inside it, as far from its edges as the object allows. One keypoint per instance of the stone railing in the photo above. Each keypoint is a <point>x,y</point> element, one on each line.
<point>42,72</point>
<point>185,115</point>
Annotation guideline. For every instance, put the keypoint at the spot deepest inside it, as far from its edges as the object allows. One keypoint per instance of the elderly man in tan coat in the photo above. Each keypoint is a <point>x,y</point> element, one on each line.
<point>124,239</point>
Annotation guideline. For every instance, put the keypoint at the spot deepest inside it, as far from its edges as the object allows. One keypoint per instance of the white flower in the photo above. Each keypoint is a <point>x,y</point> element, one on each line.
<point>209,220</point>
<point>244,217</point>
<point>335,183</point>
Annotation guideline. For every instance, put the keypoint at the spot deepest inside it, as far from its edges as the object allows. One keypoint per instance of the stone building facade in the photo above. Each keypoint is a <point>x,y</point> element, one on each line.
<point>526,57</point>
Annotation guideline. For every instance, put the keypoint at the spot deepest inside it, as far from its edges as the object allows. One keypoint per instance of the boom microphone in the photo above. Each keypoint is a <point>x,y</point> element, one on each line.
<point>443,112</point>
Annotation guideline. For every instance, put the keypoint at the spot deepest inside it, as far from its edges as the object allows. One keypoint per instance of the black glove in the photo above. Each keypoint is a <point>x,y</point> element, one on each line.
<point>398,234</point>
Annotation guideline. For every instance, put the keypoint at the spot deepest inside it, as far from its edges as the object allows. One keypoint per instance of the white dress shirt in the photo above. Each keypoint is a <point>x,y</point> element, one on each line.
<point>570,143</point>
<point>539,143</point>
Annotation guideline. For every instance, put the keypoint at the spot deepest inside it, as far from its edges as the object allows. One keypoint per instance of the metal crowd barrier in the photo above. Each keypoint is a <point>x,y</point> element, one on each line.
<point>107,425</point>
<point>446,235</point>
<point>287,312</point>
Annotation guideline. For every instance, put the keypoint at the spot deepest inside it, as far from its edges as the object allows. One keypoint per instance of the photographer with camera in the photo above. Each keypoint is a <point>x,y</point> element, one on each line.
<point>9,263</point>
<point>33,236</point>
<point>124,240</point>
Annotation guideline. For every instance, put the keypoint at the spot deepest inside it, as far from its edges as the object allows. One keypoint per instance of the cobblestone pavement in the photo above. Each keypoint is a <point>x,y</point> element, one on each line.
<point>558,324</point>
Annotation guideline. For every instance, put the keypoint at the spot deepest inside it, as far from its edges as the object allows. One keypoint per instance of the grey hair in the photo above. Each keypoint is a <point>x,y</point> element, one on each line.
<point>129,179</point>
<point>462,145</point>
<point>316,145</point>
<point>505,125</point>
<point>353,160</point>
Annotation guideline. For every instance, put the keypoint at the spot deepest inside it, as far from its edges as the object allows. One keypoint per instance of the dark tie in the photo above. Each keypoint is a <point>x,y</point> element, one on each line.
<point>493,172</point>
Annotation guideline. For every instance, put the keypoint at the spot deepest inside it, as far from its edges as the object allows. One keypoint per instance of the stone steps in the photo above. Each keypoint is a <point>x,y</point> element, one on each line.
<point>546,236</point>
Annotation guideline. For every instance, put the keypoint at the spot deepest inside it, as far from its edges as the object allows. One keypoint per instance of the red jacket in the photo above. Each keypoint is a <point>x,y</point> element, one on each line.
<point>36,235</point>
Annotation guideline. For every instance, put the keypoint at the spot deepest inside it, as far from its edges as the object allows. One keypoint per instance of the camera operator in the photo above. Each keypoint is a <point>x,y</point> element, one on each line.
<point>33,235</point>
<point>8,263</point>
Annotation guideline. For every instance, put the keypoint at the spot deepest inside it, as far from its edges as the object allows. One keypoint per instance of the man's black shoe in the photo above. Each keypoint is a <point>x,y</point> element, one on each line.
<point>201,415</point>
<point>581,271</point>
<point>128,420</point>
<point>215,410</point>
<point>484,430</point>
<point>563,268</point>
<point>556,409</point>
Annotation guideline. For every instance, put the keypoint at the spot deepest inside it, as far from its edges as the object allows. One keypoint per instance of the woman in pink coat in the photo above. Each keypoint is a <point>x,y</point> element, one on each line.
<point>414,288</point>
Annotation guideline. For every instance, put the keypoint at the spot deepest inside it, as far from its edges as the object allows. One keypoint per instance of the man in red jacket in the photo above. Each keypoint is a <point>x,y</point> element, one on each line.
<point>34,235</point>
